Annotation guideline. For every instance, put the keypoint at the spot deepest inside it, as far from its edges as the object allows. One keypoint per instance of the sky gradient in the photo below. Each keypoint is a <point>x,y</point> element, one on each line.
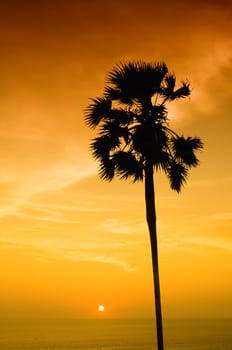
<point>69,241</point>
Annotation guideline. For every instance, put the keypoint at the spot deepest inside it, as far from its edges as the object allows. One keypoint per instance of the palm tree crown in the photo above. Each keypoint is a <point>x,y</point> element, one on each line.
<point>133,125</point>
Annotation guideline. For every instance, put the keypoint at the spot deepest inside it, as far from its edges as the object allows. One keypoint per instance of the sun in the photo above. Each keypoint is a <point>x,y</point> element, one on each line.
<point>101,308</point>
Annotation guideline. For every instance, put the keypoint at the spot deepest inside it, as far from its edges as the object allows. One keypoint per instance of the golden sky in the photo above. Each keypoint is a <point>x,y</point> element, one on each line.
<point>69,241</point>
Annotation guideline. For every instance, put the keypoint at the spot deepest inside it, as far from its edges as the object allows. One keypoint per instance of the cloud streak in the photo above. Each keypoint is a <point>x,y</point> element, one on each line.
<point>49,250</point>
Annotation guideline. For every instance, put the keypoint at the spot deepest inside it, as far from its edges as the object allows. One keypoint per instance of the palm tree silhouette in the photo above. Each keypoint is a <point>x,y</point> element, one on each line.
<point>135,139</point>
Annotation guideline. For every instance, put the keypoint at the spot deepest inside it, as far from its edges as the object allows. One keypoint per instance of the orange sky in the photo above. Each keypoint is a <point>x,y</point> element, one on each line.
<point>68,241</point>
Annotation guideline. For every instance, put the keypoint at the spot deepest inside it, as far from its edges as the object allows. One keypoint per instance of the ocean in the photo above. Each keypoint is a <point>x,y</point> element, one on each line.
<point>114,334</point>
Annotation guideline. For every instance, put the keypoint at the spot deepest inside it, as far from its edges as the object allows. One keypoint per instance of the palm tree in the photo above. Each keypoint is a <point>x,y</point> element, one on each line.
<point>135,139</point>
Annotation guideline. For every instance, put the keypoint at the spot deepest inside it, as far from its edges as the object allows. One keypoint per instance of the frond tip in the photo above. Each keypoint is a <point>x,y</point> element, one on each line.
<point>127,166</point>
<point>184,149</point>
<point>101,146</point>
<point>98,110</point>
<point>182,91</point>
<point>106,169</point>
<point>177,174</point>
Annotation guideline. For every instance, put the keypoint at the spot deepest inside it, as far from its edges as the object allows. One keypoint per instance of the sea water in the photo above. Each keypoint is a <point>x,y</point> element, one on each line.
<point>114,334</point>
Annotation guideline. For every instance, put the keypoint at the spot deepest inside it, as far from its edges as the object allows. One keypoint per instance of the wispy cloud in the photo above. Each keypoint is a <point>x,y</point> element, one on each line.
<point>52,212</point>
<point>49,250</point>
<point>209,243</point>
<point>198,245</point>
<point>101,258</point>
<point>113,225</point>
<point>49,179</point>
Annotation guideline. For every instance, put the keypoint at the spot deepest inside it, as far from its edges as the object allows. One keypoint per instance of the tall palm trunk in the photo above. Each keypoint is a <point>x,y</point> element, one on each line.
<point>151,221</point>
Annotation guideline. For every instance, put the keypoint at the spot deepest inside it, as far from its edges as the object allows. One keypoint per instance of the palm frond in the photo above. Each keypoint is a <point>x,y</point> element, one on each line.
<point>169,85</point>
<point>117,95</point>
<point>168,91</point>
<point>182,92</point>
<point>184,149</point>
<point>195,142</point>
<point>177,175</point>
<point>161,160</point>
<point>106,169</point>
<point>102,145</point>
<point>159,113</point>
<point>122,117</point>
<point>136,80</point>
<point>115,132</point>
<point>98,110</point>
<point>149,139</point>
<point>127,166</point>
